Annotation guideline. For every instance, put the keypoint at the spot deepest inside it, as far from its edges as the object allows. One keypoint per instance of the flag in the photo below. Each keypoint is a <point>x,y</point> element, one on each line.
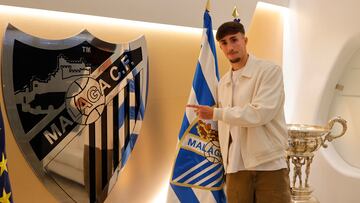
<point>198,173</point>
<point>5,193</point>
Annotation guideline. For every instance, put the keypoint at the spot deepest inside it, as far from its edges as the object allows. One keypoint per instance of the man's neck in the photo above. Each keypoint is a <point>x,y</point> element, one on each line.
<point>240,64</point>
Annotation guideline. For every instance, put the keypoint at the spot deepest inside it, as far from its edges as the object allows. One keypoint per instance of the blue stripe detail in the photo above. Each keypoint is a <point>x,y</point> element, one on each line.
<point>219,196</point>
<point>141,110</point>
<point>147,81</point>
<point>193,173</point>
<point>134,72</point>
<point>185,194</point>
<point>132,113</point>
<point>121,115</point>
<point>210,37</point>
<point>218,184</point>
<point>194,130</point>
<point>128,148</point>
<point>212,179</point>
<point>201,88</point>
<point>204,175</point>
<point>185,160</point>
<point>131,85</point>
<point>142,104</point>
<point>133,139</point>
<point>185,124</point>
<point>125,155</point>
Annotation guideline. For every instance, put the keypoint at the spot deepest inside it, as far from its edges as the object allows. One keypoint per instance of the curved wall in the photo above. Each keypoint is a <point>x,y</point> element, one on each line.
<point>346,102</point>
<point>321,38</point>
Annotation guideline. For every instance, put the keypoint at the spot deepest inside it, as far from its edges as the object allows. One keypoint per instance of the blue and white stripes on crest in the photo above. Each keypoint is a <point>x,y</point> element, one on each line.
<point>136,108</point>
<point>130,103</point>
<point>196,178</point>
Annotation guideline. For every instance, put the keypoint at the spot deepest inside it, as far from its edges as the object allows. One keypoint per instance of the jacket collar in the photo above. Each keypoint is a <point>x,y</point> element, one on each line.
<point>247,72</point>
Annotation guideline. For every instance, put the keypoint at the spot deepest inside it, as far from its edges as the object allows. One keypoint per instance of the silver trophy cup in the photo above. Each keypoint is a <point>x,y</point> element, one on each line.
<point>304,140</point>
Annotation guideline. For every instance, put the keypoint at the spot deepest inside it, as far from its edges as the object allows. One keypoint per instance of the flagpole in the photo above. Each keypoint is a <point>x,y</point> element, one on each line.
<point>208,5</point>
<point>235,13</point>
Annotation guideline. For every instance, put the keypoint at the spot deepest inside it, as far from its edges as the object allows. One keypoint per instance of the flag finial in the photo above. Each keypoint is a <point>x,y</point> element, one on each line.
<point>208,5</point>
<point>235,14</point>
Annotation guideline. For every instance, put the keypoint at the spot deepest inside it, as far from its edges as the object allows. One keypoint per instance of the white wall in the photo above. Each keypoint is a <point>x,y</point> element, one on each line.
<point>321,37</point>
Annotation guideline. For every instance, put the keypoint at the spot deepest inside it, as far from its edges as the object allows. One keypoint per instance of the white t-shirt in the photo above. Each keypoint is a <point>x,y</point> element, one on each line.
<point>235,160</point>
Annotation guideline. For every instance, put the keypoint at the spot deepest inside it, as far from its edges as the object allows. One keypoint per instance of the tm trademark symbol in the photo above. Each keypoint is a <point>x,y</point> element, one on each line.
<point>86,49</point>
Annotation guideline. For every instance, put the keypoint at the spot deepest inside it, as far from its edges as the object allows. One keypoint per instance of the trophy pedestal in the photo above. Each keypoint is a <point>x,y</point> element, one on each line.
<point>311,200</point>
<point>302,195</point>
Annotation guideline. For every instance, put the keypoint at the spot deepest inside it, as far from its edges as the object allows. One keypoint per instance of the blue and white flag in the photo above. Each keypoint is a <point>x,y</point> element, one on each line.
<point>5,188</point>
<point>198,173</point>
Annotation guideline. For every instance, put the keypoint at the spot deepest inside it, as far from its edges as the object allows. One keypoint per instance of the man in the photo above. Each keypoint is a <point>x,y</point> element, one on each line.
<point>252,129</point>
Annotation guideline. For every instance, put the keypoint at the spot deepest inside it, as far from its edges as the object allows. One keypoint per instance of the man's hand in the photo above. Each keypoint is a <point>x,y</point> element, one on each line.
<point>203,112</point>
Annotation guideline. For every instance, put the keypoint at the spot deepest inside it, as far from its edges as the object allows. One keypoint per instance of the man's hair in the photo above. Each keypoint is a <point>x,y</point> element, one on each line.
<point>229,28</point>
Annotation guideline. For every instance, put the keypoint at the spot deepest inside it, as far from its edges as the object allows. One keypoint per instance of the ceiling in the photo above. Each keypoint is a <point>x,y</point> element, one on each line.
<point>183,13</point>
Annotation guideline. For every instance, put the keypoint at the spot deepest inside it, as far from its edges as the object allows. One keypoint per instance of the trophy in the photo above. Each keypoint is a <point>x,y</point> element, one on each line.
<point>304,140</point>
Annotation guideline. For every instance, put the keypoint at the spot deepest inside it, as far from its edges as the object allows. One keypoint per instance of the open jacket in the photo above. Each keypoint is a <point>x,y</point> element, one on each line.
<point>262,131</point>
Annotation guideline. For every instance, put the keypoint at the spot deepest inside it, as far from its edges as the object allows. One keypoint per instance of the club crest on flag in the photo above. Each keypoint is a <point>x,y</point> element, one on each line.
<point>199,162</point>
<point>75,107</point>
<point>204,141</point>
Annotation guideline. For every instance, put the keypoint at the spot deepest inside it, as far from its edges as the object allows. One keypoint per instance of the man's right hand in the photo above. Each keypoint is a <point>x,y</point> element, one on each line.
<point>202,111</point>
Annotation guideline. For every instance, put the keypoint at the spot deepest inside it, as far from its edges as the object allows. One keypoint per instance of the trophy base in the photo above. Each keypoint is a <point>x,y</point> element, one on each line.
<point>302,195</point>
<point>311,200</point>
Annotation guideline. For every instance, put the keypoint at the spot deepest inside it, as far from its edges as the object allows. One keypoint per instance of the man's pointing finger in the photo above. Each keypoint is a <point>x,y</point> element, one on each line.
<point>193,106</point>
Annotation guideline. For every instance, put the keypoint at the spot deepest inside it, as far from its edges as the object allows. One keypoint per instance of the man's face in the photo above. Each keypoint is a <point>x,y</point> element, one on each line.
<point>234,47</point>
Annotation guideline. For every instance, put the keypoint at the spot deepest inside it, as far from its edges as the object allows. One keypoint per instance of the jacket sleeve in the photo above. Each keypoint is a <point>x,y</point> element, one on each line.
<point>264,106</point>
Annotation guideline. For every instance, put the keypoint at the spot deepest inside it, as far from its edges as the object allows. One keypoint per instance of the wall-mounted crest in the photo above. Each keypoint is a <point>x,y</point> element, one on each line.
<point>75,107</point>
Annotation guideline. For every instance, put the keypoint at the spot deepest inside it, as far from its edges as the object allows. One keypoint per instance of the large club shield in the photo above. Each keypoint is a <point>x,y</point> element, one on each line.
<point>75,107</point>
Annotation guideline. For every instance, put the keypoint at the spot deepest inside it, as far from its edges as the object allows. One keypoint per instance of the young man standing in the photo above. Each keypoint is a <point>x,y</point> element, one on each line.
<point>252,129</point>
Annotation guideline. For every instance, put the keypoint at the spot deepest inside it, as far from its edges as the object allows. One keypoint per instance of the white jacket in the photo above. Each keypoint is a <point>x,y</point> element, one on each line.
<point>261,115</point>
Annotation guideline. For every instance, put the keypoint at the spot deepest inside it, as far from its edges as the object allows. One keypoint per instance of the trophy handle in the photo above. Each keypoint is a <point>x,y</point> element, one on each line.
<point>329,137</point>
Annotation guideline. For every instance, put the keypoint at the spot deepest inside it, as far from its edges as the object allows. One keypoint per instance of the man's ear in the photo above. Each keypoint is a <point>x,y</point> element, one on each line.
<point>246,40</point>
<point>220,46</point>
